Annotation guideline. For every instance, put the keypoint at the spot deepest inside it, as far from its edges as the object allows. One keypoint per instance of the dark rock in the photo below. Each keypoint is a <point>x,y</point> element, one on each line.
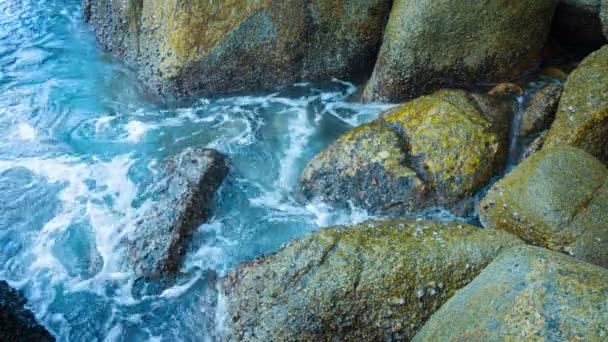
<point>539,111</point>
<point>577,22</point>
<point>380,280</point>
<point>204,47</point>
<point>182,201</point>
<point>16,322</point>
<point>555,199</point>
<point>526,294</point>
<point>430,44</point>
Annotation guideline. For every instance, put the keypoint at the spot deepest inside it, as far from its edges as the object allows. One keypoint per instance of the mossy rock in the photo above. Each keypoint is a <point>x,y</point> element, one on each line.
<point>379,280</point>
<point>430,44</point>
<point>526,294</point>
<point>435,150</point>
<point>202,47</point>
<point>555,199</point>
<point>582,117</point>
<point>577,22</point>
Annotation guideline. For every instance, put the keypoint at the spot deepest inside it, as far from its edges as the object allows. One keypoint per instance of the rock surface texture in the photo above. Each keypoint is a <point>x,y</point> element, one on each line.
<point>16,322</point>
<point>429,44</point>
<point>539,111</point>
<point>375,281</point>
<point>526,294</point>
<point>182,201</point>
<point>556,199</point>
<point>582,117</point>
<point>577,22</point>
<point>435,150</point>
<point>205,47</point>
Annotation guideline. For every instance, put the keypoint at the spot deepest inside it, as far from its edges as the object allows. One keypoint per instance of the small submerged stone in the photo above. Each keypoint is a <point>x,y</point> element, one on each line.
<point>374,281</point>
<point>182,201</point>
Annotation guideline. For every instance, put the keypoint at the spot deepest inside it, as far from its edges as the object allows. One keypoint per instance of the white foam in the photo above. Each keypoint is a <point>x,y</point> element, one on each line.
<point>25,131</point>
<point>136,130</point>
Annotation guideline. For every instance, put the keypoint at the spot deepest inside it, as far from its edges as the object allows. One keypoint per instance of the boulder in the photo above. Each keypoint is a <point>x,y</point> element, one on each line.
<point>555,199</point>
<point>182,198</point>
<point>16,322</point>
<point>379,280</point>
<point>435,150</point>
<point>526,294</point>
<point>430,44</point>
<point>203,47</point>
<point>582,116</point>
<point>539,110</point>
<point>577,22</point>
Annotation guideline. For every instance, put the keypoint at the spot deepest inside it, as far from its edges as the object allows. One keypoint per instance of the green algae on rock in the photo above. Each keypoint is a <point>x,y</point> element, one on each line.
<point>556,199</point>
<point>205,47</point>
<point>577,22</point>
<point>435,150</point>
<point>582,117</point>
<point>373,281</point>
<point>526,294</point>
<point>430,44</point>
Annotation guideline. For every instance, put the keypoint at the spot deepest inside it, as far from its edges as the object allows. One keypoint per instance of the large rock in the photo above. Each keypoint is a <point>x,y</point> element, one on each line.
<point>16,322</point>
<point>556,199</point>
<point>205,47</point>
<point>435,150</point>
<point>582,117</point>
<point>577,22</point>
<point>182,199</point>
<point>429,44</point>
<point>376,281</point>
<point>526,294</point>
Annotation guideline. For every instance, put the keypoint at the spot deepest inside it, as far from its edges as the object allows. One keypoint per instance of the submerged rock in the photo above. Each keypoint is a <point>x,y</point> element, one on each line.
<point>207,47</point>
<point>577,22</point>
<point>182,201</point>
<point>556,199</point>
<point>435,150</point>
<point>379,280</point>
<point>16,322</point>
<point>526,294</point>
<point>430,44</point>
<point>582,117</point>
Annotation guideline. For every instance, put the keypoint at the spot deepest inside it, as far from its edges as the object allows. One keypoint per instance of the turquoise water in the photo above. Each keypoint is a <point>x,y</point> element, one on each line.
<point>78,141</point>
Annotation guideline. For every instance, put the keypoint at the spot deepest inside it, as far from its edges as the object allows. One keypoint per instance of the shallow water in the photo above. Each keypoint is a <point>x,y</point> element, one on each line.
<point>78,142</point>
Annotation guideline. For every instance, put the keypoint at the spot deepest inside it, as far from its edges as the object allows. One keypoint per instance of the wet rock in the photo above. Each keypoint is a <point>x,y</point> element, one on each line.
<point>535,145</point>
<point>182,201</point>
<point>527,293</point>
<point>435,150</point>
<point>604,17</point>
<point>555,199</point>
<point>379,280</point>
<point>430,44</point>
<point>582,116</point>
<point>577,22</point>
<point>204,47</point>
<point>16,322</point>
<point>539,111</point>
